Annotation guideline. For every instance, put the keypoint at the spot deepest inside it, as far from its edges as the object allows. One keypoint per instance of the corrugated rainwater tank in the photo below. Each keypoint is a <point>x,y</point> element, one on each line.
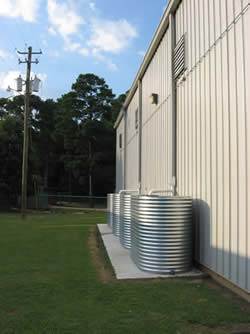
<point>116,215</point>
<point>125,220</point>
<point>162,233</point>
<point>110,209</point>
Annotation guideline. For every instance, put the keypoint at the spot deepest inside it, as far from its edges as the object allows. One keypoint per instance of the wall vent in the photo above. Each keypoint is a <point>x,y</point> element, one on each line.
<point>179,57</point>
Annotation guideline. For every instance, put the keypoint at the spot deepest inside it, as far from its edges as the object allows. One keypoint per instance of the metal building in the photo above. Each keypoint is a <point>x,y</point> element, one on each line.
<point>186,120</point>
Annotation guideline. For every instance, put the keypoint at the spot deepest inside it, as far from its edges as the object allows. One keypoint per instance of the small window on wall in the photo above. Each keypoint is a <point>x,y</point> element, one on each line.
<point>136,119</point>
<point>120,140</point>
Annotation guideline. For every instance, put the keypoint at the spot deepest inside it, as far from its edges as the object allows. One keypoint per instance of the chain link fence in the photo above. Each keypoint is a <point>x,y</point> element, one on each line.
<point>74,201</point>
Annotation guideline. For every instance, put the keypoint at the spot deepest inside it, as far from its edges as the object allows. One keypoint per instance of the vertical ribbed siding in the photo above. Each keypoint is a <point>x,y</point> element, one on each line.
<point>132,144</point>
<point>212,138</point>
<point>157,120</point>
<point>120,158</point>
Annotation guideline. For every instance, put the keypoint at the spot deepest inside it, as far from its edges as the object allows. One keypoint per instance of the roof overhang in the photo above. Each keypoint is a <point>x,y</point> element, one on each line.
<point>172,5</point>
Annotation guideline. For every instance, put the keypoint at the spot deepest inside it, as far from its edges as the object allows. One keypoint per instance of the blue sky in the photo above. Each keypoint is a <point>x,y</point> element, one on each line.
<point>104,37</point>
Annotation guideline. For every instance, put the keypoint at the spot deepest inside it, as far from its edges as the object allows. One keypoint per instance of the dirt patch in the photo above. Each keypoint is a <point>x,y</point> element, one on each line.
<point>196,281</point>
<point>11,314</point>
<point>96,251</point>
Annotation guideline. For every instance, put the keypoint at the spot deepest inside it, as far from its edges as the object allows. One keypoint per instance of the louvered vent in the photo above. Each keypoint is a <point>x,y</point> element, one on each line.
<point>179,57</point>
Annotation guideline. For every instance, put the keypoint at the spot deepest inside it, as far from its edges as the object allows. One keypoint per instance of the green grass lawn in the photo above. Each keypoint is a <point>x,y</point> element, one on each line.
<point>51,283</point>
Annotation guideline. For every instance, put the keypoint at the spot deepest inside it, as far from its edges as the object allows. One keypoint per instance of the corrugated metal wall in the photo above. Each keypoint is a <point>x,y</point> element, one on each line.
<point>132,144</point>
<point>157,120</point>
<point>213,124</point>
<point>120,157</point>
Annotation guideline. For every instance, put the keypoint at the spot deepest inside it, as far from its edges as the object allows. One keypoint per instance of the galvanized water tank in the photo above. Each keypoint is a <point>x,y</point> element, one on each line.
<point>125,220</point>
<point>110,209</point>
<point>116,215</point>
<point>162,233</point>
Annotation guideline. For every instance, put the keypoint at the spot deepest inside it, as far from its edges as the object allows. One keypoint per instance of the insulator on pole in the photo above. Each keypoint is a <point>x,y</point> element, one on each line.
<point>35,84</point>
<point>19,84</point>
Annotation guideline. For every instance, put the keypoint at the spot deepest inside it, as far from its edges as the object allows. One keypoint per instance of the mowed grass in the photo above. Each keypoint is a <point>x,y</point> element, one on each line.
<point>50,283</point>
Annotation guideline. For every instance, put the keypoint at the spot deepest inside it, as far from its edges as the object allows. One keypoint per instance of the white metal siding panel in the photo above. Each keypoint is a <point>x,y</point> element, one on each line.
<point>120,158</point>
<point>245,252</point>
<point>233,153</point>
<point>132,145</point>
<point>134,104</point>
<point>220,156</point>
<point>156,120</point>
<point>132,163</point>
<point>213,125</point>
<point>246,48</point>
<point>241,154</point>
<point>226,147</point>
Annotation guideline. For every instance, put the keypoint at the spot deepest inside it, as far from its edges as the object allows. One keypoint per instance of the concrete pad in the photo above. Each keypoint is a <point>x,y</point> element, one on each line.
<point>122,263</point>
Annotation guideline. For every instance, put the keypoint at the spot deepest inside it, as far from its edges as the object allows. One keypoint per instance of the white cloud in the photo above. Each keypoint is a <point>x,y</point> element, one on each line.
<point>92,5</point>
<point>3,54</point>
<point>99,56</point>
<point>100,36</point>
<point>111,36</point>
<point>26,9</point>
<point>63,18</point>
<point>84,51</point>
<point>52,31</point>
<point>72,47</point>
<point>76,47</point>
<point>141,53</point>
<point>8,79</point>
<point>41,76</point>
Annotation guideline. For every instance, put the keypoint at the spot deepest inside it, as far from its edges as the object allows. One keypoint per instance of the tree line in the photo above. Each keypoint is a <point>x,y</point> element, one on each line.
<point>71,141</point>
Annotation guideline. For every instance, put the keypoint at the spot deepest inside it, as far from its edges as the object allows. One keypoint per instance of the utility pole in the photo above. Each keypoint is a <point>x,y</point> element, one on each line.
<point>26,126</point>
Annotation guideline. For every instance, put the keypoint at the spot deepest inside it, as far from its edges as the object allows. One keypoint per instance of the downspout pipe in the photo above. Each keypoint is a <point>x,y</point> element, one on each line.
<point>125,148</point>
<point>140,136</point>
<point>173,94</point>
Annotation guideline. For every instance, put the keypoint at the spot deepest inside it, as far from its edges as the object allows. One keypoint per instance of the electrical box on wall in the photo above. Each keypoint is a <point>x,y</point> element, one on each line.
<point>153,98</point>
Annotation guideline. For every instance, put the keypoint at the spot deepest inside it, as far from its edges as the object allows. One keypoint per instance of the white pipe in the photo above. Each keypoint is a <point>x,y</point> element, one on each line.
<point>128,191</point>
<point>153,191</point>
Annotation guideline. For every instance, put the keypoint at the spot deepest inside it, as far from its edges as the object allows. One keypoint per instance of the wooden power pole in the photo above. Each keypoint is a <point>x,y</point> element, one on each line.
<point>27,61</point>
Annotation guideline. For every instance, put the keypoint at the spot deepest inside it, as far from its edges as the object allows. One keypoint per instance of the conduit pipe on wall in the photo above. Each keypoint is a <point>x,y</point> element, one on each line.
<point>154,191</point>
<point>128,191</point>
<point>171,190</point>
